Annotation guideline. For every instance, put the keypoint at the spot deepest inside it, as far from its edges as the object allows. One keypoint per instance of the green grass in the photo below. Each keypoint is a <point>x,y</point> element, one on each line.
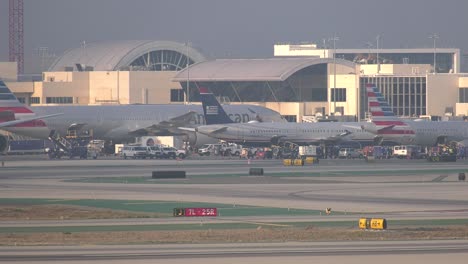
<point>164,207</point>
<point>330,173</point>
<point>219,226</point>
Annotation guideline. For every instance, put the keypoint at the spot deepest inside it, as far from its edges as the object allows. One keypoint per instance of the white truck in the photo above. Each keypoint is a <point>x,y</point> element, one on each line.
<point>308,151</point>
<point>134,152</point>
<point>231,149</point>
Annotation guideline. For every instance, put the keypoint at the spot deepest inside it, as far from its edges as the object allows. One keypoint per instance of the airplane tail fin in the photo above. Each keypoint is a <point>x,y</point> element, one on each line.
<point>212,109</point>
<point>384,121</point>
<point>378,106</point>
<point>10,107</point>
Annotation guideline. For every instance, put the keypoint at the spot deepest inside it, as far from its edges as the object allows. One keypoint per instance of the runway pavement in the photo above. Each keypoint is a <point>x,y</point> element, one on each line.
<point>402,189</point>
<point>317,252</point>
<point>345,185</point>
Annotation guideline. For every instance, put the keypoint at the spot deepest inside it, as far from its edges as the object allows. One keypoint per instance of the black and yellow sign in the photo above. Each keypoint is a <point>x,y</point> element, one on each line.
<point>373,223</point>
<point>179,212</point>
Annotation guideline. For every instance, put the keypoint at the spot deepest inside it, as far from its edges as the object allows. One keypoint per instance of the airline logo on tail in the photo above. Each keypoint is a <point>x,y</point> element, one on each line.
<point>212,109</point>
<point>382,115</point>
<point>11,109</point>
<point>377,105</point>
<point>9,102</point>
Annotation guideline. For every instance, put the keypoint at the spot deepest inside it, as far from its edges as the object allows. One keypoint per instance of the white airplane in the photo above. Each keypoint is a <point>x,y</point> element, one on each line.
<point>273,133</point>
<point>386,127</point>
<point>117,122</point>
<point>425,133</point>
<point>267,134</point>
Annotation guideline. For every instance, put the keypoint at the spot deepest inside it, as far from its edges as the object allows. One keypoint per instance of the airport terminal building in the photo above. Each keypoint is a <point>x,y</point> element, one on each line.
<point>118,72</point>
<point>302,82</point>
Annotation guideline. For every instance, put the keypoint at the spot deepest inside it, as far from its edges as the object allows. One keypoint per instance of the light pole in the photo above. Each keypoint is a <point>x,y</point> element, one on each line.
<point>369,46</point>
<point>378,61</point>
<point>188,74</point>
<point>434,37</point>
<point>324,41</point>
<point>334,39</point>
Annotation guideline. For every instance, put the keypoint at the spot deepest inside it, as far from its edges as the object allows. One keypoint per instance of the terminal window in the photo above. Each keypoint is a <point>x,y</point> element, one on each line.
<point>463,95</point>
<point>35,100</point>
<point>59,100</point>
<point>339,94</point>
<point>177,95</point>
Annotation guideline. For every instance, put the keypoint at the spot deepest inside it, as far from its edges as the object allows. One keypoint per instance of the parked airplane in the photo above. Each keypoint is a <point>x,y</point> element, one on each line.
<point>266,134</point>
<point>117,122</point>
<point>385,126</point>
<point>425,133</point>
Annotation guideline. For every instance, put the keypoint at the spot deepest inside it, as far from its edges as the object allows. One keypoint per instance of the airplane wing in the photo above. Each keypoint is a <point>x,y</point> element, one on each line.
<point>337,137</point>
<point>179,120</point>
<point>376,130</point>
<point>208,130</point>
<point>215,130</point>
<point>21,121</point>
<point>191,129</point>
<point>166,128</point>
<point>355,127</point>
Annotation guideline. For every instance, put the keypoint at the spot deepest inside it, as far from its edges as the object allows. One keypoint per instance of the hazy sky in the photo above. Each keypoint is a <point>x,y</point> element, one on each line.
<point>239,28</point>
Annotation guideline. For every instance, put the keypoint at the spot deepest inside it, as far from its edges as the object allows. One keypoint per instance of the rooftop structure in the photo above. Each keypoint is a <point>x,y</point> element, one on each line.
<point>133,55</point>
<point>447,60</point>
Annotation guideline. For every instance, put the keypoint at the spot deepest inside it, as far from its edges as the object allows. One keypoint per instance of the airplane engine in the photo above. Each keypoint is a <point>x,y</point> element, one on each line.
<point>196,139</point>
<point>3,143</point>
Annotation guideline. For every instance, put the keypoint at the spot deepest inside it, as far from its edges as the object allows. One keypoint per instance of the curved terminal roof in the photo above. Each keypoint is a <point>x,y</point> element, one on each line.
<point>274,69</point>
<point>116,55</point>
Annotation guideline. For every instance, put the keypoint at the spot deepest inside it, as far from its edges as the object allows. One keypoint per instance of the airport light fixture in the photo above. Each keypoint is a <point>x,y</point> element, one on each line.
<point>378,61</point>
<point>334,39</point>
<point>188,74</point>
<point>434,37</point>
<point>369,46</point>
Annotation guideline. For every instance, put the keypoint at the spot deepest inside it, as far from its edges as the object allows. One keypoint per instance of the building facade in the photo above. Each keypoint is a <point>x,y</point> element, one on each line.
<point>302,81</point>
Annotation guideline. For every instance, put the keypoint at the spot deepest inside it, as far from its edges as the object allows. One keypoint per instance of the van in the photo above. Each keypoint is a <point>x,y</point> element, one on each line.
<point>207,149</point>
<point>134,152</point>
<point>408,151</point>
<point>173,153</point>
<point>154,152</point>
<point>230,149</point>
<point>349,153</point>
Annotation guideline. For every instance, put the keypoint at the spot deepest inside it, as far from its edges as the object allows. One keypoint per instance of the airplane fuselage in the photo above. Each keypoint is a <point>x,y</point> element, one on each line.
<point>298,133</point>
<point>116,122</point>
<point>427,133</point>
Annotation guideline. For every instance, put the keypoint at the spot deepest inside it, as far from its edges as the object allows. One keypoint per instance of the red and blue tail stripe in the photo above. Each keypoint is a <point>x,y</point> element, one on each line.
<point>386,122</point>
<point>378,106</point>
<point>12,109</point>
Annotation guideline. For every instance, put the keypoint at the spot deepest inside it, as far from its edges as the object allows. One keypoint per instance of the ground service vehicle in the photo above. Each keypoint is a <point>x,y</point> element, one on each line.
<point>442,153</point>
<point>229,149</point>
<point>134,152</point>
<point>374,152</point>
<point>403,151</point>
<point>308,151</point>
<point>154,152</point>
<point>173,153</point>
<point>207,149</point>
<point>409,152</point>
<point>349,153</point>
